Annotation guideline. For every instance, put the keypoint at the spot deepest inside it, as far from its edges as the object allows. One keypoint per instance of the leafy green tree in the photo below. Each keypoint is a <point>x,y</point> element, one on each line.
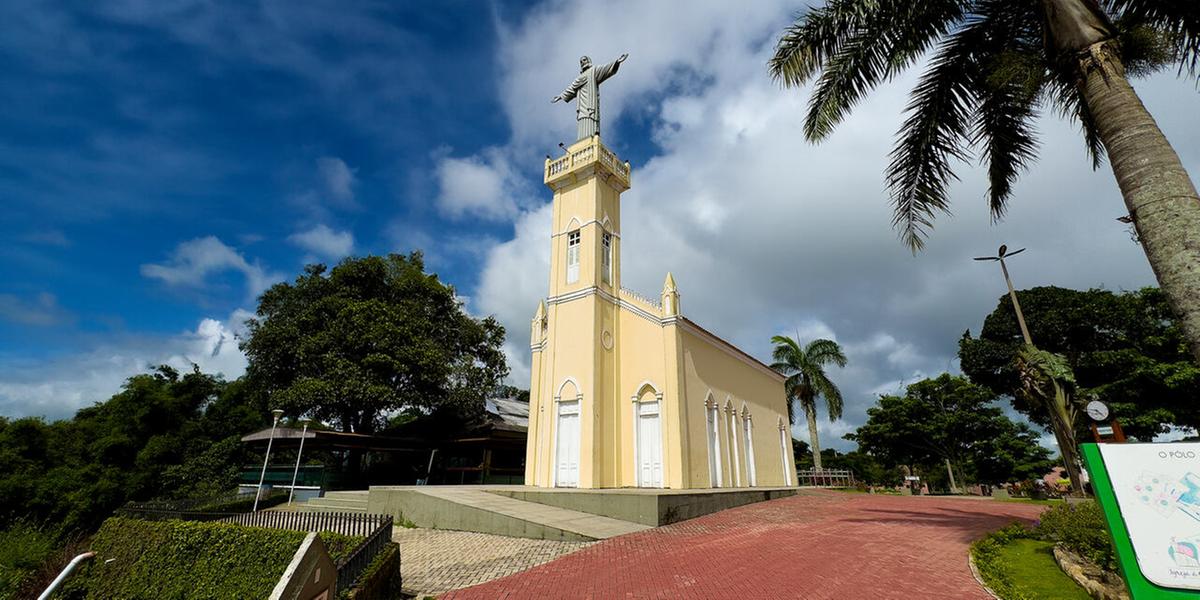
<point>151,439</point>
<point>371,336</point>
<point>948,422</point>
<point>805,368</point>
<point>995,65</point>
<point>1013,454</point>
<point>1125,349</point>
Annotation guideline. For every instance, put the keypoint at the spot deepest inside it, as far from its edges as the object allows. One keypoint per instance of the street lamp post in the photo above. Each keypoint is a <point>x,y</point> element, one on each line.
<point>1012,294</point>
<point>258,493</point>
<point>299,452</point>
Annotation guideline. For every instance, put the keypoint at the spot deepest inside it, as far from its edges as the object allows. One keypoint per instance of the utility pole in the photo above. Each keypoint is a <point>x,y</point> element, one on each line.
<point>1061,411</point>
<point>296,471</point>
<point>258,493</point>
<point>1012,294</point>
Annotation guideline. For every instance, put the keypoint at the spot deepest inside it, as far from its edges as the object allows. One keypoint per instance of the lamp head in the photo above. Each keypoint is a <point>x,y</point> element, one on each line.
<point>278,413</point>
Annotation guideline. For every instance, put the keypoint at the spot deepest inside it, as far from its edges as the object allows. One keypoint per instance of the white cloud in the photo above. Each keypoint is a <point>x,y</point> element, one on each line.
<point>41,310</point>
<point>513,278</point>
<point>338,178</point>
<point>57,388</point>
<point>477,186</point>
<point>763,230</point>
<point>324,242</point>
<point>195,260</point>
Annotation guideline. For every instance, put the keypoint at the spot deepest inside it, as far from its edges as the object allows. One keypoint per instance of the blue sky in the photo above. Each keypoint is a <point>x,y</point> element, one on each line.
<point>131,131</point>
<point>161,162</point>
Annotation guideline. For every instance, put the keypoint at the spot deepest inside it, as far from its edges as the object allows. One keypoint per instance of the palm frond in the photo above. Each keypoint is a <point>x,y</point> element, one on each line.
<point>823,351</point>
<point>1065,95</point>
<point>1003,129</point>
<point>1178,20</point>
<point>812,39</point>
<point>877,40</point>
<point>933,134</point>
<point>833,396</point>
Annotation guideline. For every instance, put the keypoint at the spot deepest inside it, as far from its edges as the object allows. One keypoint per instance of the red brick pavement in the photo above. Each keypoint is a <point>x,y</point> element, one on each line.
<point>817,545</point>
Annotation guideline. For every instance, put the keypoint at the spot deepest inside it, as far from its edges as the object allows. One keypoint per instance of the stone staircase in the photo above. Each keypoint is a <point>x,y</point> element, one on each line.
<point>338,502</point>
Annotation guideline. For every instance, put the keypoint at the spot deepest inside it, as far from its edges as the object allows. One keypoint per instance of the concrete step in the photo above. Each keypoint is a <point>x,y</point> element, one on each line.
<point>469,508</point>
<point>349,502</point>
<point>348,495</point>
<point>317,508</point>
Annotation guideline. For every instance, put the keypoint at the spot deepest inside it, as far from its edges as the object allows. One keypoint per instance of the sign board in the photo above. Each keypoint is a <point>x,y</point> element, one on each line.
<point>1150,494</point>
<point>1104,430</point>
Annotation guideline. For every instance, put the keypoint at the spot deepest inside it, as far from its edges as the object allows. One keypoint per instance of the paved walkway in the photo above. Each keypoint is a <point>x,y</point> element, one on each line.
<point>434,561</point>
<point>818,545</point>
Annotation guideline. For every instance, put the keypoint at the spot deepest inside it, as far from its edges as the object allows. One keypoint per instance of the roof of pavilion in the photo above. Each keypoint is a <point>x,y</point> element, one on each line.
<point>504,419</point>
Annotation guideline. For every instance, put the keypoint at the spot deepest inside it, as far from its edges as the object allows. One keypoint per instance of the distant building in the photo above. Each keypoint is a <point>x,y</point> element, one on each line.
<point>625,390</point>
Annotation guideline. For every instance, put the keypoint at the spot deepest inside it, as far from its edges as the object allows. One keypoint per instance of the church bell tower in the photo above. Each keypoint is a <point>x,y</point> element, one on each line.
<point>580,315</point>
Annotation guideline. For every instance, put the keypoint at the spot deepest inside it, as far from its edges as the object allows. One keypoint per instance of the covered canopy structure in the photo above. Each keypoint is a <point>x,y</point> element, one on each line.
<point>429,449</point>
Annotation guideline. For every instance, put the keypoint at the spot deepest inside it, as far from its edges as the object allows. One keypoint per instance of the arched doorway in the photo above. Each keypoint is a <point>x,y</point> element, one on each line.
<point>647,433</point>
<point>566,435</point>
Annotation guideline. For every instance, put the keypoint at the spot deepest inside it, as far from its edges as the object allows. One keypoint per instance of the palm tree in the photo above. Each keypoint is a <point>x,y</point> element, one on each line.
<point>995,64</point>
<point>805,368</point>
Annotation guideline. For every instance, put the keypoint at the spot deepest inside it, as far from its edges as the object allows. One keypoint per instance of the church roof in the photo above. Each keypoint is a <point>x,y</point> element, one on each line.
<point>719,341</point>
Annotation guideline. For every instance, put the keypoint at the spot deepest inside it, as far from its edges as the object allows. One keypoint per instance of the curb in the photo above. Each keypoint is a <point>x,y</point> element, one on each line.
<point>978,578</point>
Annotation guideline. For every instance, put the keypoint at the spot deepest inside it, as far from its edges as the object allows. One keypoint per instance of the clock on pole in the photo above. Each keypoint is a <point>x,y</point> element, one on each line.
<point>1103,429</point>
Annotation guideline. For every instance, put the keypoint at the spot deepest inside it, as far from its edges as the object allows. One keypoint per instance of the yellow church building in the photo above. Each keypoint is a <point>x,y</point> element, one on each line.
<point>626,391</point>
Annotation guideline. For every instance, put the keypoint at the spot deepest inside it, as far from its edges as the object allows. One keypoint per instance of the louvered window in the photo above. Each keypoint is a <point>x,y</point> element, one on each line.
<point>573,256</point>
<point>606,257</point>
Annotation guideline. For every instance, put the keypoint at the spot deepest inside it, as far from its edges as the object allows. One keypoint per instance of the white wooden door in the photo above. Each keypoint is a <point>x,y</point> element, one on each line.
<point>567,452</point>
<point>649,450</point>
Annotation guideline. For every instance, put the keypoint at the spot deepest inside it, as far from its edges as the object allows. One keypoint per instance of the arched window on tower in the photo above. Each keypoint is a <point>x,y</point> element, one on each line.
<point>606,257</point>
<point>573,240</point>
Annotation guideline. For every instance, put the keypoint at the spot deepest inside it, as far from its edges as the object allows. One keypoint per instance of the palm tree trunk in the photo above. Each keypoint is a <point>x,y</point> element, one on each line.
<point>810,411</point>
<point>1161,199</point>
<point>1062,419</point>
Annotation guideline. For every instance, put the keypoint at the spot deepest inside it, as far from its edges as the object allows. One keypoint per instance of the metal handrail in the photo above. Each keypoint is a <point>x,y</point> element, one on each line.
<point>66,572</point>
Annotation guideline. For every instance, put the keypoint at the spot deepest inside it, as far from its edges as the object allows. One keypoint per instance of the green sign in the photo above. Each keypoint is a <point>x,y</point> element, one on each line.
<point>1150,495</point>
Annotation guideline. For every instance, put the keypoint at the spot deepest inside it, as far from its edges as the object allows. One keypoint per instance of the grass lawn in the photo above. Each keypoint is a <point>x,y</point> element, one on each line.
<point>1030,565</point>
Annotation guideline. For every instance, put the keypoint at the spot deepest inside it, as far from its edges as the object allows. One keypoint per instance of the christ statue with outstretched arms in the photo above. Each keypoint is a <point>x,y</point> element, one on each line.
<point>586,88</point>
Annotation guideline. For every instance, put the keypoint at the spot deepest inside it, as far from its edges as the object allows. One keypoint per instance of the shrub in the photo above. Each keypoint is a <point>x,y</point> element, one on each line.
<point>1081,529</point>
<point>24,547</point>
<point>188,560</point>
<point>242,503</point>
<point>381,579</point>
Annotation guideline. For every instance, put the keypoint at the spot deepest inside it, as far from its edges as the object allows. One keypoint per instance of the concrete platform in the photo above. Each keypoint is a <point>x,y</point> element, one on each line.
<point>555,514</point>
<point>475,508</point>
<point>646,506</point>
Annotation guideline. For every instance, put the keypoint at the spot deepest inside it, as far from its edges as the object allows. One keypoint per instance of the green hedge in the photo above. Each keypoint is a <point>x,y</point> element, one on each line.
<point>1081,529</point>
<point>242,504</point>
<point>381,579</point>
<point>190,560</point>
